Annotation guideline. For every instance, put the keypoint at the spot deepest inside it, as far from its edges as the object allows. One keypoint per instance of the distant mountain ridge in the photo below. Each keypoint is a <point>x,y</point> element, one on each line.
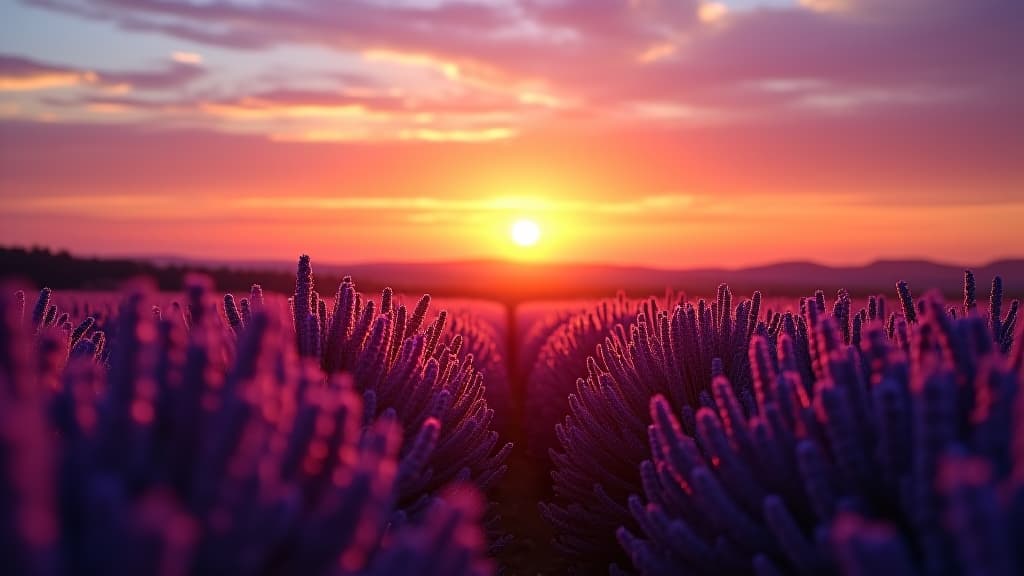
<point>783,279</point>
<point>516,280</point>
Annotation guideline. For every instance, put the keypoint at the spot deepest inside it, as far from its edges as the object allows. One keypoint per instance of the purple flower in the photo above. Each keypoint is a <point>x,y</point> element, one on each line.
<point>411,373</point>
<point>39,311</point>
<point>604,438</point>
<point>471,337</point>
<point>196,453</point>
<point>233,316</point>
<point>561,360</point>
<point>970,293</point>
<point>898,463</point>
<point>907,301</point>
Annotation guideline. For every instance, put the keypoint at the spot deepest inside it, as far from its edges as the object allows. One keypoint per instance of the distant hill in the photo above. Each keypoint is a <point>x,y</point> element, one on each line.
<point>510,281</point>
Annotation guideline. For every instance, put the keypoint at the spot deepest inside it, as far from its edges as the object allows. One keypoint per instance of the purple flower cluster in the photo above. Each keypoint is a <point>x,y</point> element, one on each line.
<point>410,371</point>
<point>562,359</point>
<point>86,339</point>
<point>203,447</point>
<point>604,437</point>
<point>353,435</point>
<point>891,463</point>
<point>536,336</point>
<point>481,343</point>
<point>742,406</point>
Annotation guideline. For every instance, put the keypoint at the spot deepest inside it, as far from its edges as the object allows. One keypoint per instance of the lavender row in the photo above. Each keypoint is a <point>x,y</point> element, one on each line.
<point>198,440</point>
<point>702,359</point>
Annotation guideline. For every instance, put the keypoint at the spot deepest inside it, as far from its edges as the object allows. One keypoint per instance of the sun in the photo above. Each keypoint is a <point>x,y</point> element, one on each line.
<point>525,232</point>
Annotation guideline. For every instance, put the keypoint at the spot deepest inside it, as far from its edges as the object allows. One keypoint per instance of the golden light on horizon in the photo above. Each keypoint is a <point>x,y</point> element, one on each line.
<point>525,232</point>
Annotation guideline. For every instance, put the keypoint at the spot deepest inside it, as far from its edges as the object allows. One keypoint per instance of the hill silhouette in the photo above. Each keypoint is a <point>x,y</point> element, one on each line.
<point>507,281</point>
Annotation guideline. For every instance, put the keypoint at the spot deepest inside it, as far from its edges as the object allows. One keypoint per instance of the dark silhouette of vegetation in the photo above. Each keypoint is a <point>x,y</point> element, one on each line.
<point>63,271</point>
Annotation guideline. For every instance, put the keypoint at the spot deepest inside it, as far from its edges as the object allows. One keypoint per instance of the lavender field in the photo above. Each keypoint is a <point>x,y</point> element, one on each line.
<point>332,431</point>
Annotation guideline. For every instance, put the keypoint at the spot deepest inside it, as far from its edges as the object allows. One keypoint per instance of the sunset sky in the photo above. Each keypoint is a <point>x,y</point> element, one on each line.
<point>666,133</point>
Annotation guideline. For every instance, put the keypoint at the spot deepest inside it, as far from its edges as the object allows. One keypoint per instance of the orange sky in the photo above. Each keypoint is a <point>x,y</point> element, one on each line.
<point>653,132</point>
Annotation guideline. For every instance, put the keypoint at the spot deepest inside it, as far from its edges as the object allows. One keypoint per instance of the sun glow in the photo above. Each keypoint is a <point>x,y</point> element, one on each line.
<point>525,232</point>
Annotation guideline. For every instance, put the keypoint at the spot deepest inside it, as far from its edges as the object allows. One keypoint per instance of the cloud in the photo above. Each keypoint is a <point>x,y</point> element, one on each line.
<point>187,57</point>
<point>307,115</point>
<point>25,74</point>
<point>355,23</point>
<point>352,209</point>
<point>826,5</point>
<point>169,76</point>
<point>711,12</point>
<point>908,158</point>
<point>601,53</point>
<point>432,135</point>
<point>918,95</point>
<point>22,74</point>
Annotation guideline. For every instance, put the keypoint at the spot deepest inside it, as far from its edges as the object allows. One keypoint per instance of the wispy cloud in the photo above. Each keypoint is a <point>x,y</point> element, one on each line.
<point>595,56</point>
<point>25,74</point>
<point>168,206</point>
<point>662,208</point>
<point>187,57</point>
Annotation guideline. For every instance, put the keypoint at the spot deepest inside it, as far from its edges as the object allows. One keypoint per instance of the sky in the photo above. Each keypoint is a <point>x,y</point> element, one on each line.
<point>662,133</point>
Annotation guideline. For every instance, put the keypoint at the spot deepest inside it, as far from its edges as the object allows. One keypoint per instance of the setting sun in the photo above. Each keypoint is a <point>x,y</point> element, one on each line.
<point>525,232</point>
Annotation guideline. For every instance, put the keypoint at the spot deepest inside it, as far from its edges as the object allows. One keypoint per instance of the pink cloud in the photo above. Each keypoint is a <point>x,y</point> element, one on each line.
<point>32,74</point>
<point>22,74</point>
<point>593,49</point>
<point>916,95</point>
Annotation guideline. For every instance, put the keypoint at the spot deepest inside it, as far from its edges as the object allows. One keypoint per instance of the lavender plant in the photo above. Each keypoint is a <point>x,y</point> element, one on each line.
<point>604,437</point>
<point>407,373</point>
<point>536,336</point>
<point>180,459</point>
<point>449,542</point>
<point>562,359</point>
<point>85,339</point>
<point>481,343</point>
<point>899,463</point>
<point>705,363</point>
